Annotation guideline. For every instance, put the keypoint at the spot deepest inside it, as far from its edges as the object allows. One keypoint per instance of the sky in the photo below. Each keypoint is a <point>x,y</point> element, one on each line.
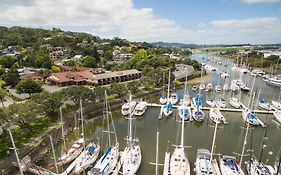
<point>185,21</point>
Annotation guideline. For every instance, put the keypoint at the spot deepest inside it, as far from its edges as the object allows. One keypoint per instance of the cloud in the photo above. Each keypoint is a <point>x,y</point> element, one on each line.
<point>104,16</point>
<point>260,1</point>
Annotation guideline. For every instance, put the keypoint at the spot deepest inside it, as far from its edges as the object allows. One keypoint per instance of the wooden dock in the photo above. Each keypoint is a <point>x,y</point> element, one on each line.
<point>221,109</point>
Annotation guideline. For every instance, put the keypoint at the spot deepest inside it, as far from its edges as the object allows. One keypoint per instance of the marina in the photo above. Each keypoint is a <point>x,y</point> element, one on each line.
<point>229,139</point>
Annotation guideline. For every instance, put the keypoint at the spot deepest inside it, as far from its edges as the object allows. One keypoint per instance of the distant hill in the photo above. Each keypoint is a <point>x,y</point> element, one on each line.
<point>177,45</point>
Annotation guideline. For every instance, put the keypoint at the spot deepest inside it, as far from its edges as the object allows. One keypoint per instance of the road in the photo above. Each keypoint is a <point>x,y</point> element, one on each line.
<point>182,71</point>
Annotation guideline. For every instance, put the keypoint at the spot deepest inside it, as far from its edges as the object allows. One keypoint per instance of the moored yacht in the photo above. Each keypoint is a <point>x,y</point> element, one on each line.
<point>234,102</point>
<point>140,108</point>
<point>264,104</point>
<point>254,167</point>
<point>163,99</point>
<point>229,165</point>
<point>210,102</point>
<point>167,109</point>
<point>276,104</point>
<point>216,116</point>
<point>203,165</point>
<point>174,98</point>
<point>185,100</point>
<point>277,115</point>
<point>221,103</point>
<point>127,107</point>
<point>250,117</point>
<point>184,112</point>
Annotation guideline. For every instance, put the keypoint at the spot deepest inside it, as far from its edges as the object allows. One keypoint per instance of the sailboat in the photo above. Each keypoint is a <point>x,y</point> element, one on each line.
<point>168,108</point>
<point>186,99</point>
<point>203,165</point>
<point>73,151</point>
<point>184,112</point>
<point>179,164</point>
<point>233,101</point>
<point>163,98</point>
<point>132,152</point>
<point>264,104</point>
<point>127,107</point>
<point>174,98</point>
<point>229,165</point>
<point>89,154</point>
<point>216,115</point>
<point>108,161</point>
<point>277,115</point>
<point>210,102</point>
<point>221,103</point>
<point>276,104</point>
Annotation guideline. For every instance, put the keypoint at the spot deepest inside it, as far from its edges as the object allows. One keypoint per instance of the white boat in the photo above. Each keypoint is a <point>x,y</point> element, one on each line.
<point>216,116</point>
<point>140,108</point>
<point>244,88</point>
<point>197,102</point>
<point>163,99</point>
<point>277,115</point>
<point>179,164</point>
<point>202,87</point>
<point>195,87</point>
<point>229,165</point>
<point>125,110</point>
<point>224,75</point>
<point>234,102</point>
<point>203,165</point>
<point>221,103</point>
<point>249,117</point>
<point>174,98</point>
<point>234,87</point>
<point>210,102</point>
<point>184,112</point>
<point>198,115</point>
<point>209,87</point>
<point>70,154</point>
<point>132,152</point>
<point>276,104</point>
<point>274,81</point>
<point>277,167</point>
<point>167,109</point>
<point>218,88</point>
<point>185,100</point>
<point>264,104</point>
<point>225,87</point>
<point>255,167</point>
<point>108,161</point>
<point>87,158</point>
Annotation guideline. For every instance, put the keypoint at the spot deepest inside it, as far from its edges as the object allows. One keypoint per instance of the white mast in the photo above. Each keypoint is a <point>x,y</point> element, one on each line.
<point>54,154</point>
<point>245,143</point>
<point>130,122</point>
<point>157,143</point>
<point>200,80</point>
<point>182,133</point>
<point>15,150</point>
<point>82,126</point>
<point>107,118</point>
<point>62,129</point>
<point>168,92</point>
<point>185,85</point>
<point>214,140</point>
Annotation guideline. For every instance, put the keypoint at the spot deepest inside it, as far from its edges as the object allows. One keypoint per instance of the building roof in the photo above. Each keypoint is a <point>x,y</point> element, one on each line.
<point>71,76</point>
<point>32,75</point>
<point>115,74</point>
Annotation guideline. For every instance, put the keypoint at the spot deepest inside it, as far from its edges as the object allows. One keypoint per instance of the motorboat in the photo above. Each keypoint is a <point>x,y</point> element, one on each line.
<point>274,81</point>
<point>127,107</point>
<point>197,102</point>
<point>264,104</point>
<point>195,87</point>
<point>210,102</point>
<point>202,87</point>
<point>198,115</point>
<point>276,104</point>
<point>225,87</point>
<point>221,103</point>
<point>244,88</point>
<point>250,117</point>
<point>168,109</point>
<point>70,154</point>
<point>163,99</point>
<point>87,158</point>
<point>234,102</point>
<point>203,165</point>
<point>216,116</point>
<point>140,108</point>
<point>229,165</point>
<point>218,88</point>
<point>254,167</point>
<point>184,112</point>
<point>277,115</point>
<point>209,87</point>
<point>174,98</point>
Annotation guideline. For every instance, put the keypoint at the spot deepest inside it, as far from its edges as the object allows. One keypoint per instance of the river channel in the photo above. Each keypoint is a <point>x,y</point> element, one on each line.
<point>197,135</point>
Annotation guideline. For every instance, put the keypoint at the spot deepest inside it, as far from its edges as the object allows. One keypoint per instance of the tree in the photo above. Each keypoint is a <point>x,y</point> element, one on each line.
<point>99,92</point>
<point>133,86</point>
<point>42,59</point>
<point>7,61</point>
<point>55,69</point>
<point>49,102</point>
<point>29,86</point>
<point>2,71</point>
<point>141,54</point>
<point>11,78</point>
<point>2,96</point>
<point>89,61</point>
<point>75,93</point>
<point>119,89</point>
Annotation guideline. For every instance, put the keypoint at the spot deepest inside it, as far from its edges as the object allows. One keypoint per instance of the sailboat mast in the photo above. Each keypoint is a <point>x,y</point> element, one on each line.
<point>82,125</point>
<point>245,142</point>
<point>214,140</point>
<point>201,80</point>
<point>263,144</point>
<point>185,85</point>
<point>107,118</point>
<point>251,92</point>
<point>279,164</point>
<point>182,132</point>
<point>62,129</point>
<point>157,151</point>
<point>54,154</point>
<point>168,92</point>
<point>130,122</point>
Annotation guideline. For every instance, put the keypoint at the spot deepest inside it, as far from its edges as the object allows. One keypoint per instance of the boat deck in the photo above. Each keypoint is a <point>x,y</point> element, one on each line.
<point>166,170</point>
